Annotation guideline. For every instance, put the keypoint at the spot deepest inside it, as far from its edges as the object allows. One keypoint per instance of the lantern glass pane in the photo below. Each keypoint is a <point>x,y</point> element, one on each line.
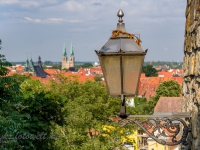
<point>132,66</point>
<point>111,70</point>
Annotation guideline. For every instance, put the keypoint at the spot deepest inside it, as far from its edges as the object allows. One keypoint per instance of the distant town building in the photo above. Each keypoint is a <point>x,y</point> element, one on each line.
<point>35,70</point>
<point>66,64</point>
<point>96,64</point>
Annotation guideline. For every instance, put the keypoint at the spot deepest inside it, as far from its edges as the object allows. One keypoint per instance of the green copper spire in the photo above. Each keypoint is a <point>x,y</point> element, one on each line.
<point>27,57</point>
<point>31,64</point>
<point>71,51</point>
<point>64,51</point>
<point>27,63</point>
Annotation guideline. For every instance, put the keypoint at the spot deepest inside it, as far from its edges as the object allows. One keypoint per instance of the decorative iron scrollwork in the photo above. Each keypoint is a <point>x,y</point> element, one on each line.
<point>166,131</point>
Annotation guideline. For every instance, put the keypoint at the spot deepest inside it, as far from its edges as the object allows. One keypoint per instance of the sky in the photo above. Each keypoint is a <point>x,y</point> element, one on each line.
<point>29,28</point>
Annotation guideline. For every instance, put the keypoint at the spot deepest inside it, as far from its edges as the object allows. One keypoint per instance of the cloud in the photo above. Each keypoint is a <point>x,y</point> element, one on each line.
<point>166,49</point>
<point>8,2</point>
<point>60,20</point>
<point>32,20</point>
<point>74,6</point>
<point>155,20</point>
<point>97,4</point>
<point>124,4</point>
<point>49,20</point>
<point>28,3</point>
<point>22,3</point>
<point>83,29</point>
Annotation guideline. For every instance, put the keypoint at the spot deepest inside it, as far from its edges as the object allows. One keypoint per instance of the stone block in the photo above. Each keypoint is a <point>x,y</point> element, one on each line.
<point>191,64</point>
<point>186,65</point>
<point>196,64</point>
<point>198,37</point>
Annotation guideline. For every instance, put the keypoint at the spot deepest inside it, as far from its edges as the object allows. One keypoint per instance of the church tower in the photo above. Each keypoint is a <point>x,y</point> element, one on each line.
<point>71,58</point>
<point>27,65</point>
<point>39,62</point>
<point>64,57</point>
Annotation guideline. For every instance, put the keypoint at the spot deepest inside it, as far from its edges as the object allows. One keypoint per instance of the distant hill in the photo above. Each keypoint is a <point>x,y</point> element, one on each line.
<point>174,65</point>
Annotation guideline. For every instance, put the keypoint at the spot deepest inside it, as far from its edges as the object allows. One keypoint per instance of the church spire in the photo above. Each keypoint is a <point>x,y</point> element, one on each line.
<point>71,51</point>
<point>64,51</point>
<point>39,61</point>
<point>31,58</point>
<point>27,57</point>
<point>31,64</point>
<point>27,67</point>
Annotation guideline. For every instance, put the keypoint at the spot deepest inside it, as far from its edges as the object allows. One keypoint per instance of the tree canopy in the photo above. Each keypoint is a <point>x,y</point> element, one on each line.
<point>3,63</point>
<point>149,71</point>
<point>169,88</point>
<point>68,114</point>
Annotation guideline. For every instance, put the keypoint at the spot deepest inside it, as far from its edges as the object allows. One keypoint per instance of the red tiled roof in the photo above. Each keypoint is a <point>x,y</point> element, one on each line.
<point>168,104</point>
<point>176,71</point>
<point>19,68</point>
<point>52,71</point>
<point>43,80</point>
<point>9,68</point>
<point>164,74</point>
<point>83,78</point>
<point>147,85</point>
<point>11,73</point>
<point>142,75</point>
<point>96,70</point>
<point>170,73</point>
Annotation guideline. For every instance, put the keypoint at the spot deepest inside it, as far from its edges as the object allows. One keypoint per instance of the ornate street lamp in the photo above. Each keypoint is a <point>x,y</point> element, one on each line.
<point>121,59</point>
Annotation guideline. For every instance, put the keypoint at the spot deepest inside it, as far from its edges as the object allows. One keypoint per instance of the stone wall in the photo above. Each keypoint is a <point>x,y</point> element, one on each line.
<point>191,71</point>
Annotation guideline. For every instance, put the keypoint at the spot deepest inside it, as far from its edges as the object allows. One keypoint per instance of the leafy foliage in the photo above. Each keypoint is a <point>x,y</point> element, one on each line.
<point>44,108</point>
<point>88,108</point>
<point>12,121</point>
<point>3,63</point>
<point>175,65</point>
<point>169,88</point>
<point>98,78</point>
<point>19,78</point>
<point>85,65</point>
<point>68,114</point>
<point>142,107</point>
<point>10,118</point>
<point>149,71</point>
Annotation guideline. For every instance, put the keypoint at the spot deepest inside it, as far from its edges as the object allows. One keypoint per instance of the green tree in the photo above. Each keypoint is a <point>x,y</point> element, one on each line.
<point>44,107</point>
<point>169,88</point>
<point>149,71</point>
<point>142,107</point>
<point>11,120</point>
<point>98,78</point>
<point>19,78</point>
<point>48,63</point>
<point>3,63</point>
<point>56,66</point>
<point>88,108</point>
<point>27,108</point>
<point>85,65</point>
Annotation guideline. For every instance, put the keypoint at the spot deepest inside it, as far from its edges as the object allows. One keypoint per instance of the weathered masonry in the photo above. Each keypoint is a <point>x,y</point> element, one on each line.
<point>191,71</point>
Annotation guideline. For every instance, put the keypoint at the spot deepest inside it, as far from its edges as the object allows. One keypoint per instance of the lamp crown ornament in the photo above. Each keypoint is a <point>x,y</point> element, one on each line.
<point>120,14</point>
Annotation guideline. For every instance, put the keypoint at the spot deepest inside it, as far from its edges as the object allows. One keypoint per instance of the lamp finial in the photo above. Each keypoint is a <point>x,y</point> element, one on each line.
<point>120,14</point>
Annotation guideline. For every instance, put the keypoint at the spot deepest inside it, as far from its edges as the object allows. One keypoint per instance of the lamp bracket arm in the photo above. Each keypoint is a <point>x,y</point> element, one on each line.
<point>165,131</point>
